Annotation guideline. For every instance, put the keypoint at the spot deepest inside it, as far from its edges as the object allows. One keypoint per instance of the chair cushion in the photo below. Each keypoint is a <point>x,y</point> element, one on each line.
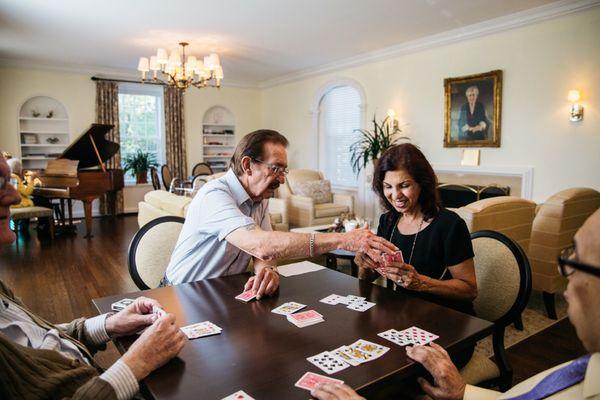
<point>479,369</point>
<point>276,218</point>
<point>329,210</point>
<point>319,191</point>
<point>170,202</point>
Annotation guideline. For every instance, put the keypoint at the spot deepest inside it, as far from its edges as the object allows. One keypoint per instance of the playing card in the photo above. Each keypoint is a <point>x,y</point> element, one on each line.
<point>419,336</point>
<point>305,316</point>
<point>374,349</point>
<point>395,336</point>
<point>352,299</point>
<point>239,395</point>
<point>246,296</point>
<point>288,308</point>
<point>362,307</point>
<point>357,354</point>
<point>121,304</point>
<point>328,362</point>
<point>394,257</point>
<point>201,329</point>
<point>340,352</point>
<point>332,299</point>
<point>309,380</point>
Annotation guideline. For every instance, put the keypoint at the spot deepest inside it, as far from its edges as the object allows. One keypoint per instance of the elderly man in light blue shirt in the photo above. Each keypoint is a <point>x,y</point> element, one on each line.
<point>227,223</point>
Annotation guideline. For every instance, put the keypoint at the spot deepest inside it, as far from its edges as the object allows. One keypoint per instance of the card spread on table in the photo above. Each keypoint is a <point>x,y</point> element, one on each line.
<point>373,349</point>
<point>342,353</point>
<point>328,362</point>
<point>419,336</point>
<point>395,336</point>
<point>309,380</point>
<point>357,354</point>
<point>353,299</point>
<point>201,329</point>
<point>239,395</point>
<point>332,299</point>
<point>121,304</point>
<point>246,296</point>
<point>360,306</point>
<point>288,308</point>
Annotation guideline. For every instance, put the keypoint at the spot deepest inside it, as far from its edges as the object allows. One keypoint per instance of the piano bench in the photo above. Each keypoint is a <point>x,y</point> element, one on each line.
<point>34,212</point>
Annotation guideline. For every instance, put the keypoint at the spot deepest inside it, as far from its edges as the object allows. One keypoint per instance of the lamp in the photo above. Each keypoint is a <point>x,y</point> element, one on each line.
<point>392,120</point>
<point>576,108</point>
<point>180,71</point>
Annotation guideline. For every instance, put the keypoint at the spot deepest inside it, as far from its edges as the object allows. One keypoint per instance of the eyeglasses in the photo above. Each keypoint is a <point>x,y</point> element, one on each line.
<point>275,169</point>
<point>567,264</point>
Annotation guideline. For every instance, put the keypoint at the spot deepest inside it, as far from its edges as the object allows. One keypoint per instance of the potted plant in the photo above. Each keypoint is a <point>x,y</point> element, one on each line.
<point>138,164</point>
<point>372,144</point>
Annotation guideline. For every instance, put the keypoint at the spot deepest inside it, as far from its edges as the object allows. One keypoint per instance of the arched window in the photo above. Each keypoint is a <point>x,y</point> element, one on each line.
<point>340,114</point>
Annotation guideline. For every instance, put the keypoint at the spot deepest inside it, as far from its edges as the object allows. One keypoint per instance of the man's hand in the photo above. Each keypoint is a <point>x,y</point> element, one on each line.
<point>447,382</point>
<point>335,392</point>
<point>364,241</point>
<point>162,341</point>
<point>264,283</point>
<point>133,318</point>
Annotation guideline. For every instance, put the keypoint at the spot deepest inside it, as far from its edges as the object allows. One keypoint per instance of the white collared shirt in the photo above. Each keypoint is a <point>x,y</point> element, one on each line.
<point>220,207</point>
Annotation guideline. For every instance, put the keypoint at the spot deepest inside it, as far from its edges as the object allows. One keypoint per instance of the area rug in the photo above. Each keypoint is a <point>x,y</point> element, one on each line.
<point>534,321</point>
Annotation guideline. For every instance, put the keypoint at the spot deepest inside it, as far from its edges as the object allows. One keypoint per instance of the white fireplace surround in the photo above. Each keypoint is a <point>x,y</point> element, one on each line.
<point>524,173</point>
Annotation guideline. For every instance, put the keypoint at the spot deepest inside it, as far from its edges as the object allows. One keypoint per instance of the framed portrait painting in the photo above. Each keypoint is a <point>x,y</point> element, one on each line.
<point>473,110</point>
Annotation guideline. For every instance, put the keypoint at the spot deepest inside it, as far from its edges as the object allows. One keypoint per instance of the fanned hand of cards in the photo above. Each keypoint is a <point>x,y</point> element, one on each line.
<point>351,302</point>
<point>409,336</point>
<point>201,329</point>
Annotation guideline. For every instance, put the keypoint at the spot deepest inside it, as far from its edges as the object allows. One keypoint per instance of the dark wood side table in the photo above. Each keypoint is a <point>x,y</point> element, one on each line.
<point>332,257</point>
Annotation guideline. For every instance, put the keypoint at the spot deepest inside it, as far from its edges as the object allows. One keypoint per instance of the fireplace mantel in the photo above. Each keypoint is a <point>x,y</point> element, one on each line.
<point>524,173</point>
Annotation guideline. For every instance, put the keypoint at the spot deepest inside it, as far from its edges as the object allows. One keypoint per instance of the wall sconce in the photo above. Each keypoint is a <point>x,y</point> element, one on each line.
<point>576,108</point>
<point>392,120</point>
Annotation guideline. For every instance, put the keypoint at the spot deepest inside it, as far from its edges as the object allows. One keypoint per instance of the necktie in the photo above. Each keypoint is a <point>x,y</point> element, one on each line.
<point>560,379</point>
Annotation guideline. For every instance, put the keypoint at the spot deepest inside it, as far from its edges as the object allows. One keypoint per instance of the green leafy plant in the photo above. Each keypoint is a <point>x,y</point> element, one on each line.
<point>372,144</point>
<point>139,163</point>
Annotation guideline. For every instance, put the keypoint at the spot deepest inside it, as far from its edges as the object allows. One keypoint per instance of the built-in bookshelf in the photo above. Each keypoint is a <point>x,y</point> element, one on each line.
<point>218,138</point>
<point>43,131</point>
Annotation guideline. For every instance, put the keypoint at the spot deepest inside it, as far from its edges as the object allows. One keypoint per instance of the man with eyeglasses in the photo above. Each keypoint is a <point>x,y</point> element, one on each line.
<point>578,379</point>
<point>227,223</point>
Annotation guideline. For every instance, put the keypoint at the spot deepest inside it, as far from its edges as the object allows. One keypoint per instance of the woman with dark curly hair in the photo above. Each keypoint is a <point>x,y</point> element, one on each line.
<point>435,242</point>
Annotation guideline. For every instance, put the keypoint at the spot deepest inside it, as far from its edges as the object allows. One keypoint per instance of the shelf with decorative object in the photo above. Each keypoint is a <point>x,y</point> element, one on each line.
<point>43,131</point>
<point>218,137</point>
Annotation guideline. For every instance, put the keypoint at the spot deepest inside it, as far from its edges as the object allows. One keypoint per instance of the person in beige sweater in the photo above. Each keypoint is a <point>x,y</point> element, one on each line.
<point>40,360</point>
<point>578,379</point>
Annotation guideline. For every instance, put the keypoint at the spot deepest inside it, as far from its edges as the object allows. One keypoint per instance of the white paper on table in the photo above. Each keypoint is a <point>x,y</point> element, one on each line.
<point>298,268</point>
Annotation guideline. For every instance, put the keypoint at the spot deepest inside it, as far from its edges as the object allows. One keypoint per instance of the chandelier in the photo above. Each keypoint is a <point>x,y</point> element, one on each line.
<point>181,72</point>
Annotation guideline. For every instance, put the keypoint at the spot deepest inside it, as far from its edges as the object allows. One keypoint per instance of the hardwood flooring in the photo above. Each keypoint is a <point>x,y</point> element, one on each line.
<point>57,279</point>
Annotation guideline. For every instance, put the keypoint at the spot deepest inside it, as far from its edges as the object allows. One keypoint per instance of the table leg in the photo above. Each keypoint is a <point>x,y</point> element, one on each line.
<point>70,204</point>
<point>353,268</point>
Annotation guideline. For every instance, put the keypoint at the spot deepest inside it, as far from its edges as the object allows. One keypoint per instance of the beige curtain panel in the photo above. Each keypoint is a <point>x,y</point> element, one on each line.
<point>107,112</point>
<point>175,132</point>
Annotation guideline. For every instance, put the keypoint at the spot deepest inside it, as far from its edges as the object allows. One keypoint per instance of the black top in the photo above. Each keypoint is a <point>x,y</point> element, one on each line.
<point>444,242</point>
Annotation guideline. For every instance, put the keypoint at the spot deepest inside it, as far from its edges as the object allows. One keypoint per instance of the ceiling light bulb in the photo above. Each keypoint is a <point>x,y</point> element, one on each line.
<point>161,56</point>
<point>573,96</point>
<point>143,64</point>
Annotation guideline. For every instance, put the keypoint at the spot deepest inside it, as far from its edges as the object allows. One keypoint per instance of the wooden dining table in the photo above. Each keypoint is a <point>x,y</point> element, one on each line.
<point>263,354</point>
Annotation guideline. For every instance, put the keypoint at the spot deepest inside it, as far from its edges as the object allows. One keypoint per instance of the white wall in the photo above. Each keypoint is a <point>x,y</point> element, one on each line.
<point>541,63</point>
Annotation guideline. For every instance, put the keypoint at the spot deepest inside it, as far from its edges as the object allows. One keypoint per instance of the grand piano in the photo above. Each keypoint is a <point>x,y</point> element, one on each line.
<point>74,175</point>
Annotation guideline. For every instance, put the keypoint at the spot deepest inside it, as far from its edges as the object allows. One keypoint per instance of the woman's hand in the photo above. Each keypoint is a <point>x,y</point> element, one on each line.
<point>405,275</point>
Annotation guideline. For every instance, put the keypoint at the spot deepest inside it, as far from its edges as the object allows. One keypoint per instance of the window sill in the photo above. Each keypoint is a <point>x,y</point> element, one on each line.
<point>133,184</point>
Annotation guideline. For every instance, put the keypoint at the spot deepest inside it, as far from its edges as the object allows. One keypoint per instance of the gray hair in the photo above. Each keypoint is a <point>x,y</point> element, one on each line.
<point>252,145</point>
<point>472,89</point>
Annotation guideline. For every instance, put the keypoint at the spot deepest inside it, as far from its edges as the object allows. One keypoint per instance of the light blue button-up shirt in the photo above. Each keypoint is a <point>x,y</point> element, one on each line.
<point>220,207</point>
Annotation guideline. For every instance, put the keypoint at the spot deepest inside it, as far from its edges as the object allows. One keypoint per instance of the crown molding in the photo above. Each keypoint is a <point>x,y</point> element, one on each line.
<point>90,70</point>
<point>507,22</point>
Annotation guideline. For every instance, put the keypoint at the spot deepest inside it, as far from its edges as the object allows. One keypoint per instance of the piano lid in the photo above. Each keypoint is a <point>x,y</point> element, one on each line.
<point>83,150</point>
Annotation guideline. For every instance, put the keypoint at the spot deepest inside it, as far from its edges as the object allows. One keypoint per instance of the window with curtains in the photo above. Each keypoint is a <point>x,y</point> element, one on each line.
<point>141,121</point>
<point>339,116</point>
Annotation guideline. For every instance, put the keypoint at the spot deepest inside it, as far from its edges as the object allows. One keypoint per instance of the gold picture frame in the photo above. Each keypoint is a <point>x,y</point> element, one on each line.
<point>473,110</point>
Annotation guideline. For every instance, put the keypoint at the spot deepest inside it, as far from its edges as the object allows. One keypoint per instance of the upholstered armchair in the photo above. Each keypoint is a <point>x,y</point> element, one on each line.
<point>554,226</point>
<point>278,212</point>
<point>512,216</point>
<point>316,208</point>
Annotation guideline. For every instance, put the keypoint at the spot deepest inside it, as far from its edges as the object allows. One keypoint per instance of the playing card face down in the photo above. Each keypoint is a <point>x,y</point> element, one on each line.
<point>394,257</point>
<point>328,362</point>
<point>239,395</point>
<point>246,296</point>
<point>288,308</point>
<point>305,316</point>
<point>121,304</point>
<point>201,329</point>
<point>309,380</point>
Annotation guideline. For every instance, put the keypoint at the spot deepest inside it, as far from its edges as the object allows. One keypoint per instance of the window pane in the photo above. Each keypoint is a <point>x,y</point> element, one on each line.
<point>140,125</point>
<point>340,116</point>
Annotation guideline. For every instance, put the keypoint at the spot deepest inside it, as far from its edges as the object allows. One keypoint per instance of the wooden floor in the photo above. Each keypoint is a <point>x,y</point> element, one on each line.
<point>57,279</point>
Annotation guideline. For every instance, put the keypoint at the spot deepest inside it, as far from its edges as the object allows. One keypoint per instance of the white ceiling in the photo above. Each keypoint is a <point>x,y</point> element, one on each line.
<point>258,40</point>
